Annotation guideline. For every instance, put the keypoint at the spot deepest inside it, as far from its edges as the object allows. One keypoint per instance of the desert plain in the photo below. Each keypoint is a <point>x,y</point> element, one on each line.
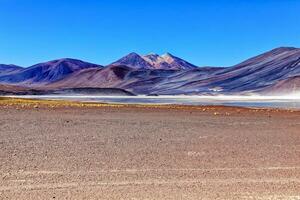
<point>69,150</point>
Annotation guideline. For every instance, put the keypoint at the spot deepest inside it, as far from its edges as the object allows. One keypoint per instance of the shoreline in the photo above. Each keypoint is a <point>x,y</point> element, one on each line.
<point>23,103</point>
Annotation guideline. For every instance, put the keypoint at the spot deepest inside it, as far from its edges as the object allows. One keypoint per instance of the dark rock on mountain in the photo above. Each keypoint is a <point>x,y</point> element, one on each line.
<point>17,90</point>
<point>92,91</point>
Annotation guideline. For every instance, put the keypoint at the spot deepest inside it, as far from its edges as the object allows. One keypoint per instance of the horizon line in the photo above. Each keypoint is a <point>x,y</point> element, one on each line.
<point>151,52</point>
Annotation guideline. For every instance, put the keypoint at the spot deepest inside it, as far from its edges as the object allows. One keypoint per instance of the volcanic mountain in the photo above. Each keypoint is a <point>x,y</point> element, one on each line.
<point>45,73</point>
<point>154,61</point>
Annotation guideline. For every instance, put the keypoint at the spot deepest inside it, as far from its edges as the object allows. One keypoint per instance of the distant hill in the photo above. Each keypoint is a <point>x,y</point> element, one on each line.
<point>45,73</point>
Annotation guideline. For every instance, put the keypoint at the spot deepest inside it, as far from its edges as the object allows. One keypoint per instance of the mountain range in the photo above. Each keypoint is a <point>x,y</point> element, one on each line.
<point>274,72</point>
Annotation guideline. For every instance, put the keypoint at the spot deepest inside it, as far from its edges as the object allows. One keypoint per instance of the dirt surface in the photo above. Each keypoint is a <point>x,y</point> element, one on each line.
<point>73,152</point>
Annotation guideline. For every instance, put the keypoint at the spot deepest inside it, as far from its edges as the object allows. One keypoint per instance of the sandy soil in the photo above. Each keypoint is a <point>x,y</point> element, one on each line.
<point>74,152</point>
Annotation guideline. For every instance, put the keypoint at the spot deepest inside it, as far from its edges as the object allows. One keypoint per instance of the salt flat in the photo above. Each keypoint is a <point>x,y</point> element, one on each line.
<point>279,101</point>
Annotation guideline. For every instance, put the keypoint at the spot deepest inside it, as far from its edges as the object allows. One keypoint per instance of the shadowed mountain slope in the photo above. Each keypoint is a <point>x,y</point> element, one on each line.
<point>107,77</point>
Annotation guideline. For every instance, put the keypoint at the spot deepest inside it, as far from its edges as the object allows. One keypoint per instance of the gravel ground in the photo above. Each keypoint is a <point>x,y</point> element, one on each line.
<point>149,153</point>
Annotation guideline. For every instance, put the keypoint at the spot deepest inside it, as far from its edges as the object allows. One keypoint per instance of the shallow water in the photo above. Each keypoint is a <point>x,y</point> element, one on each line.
<point>244,101</point>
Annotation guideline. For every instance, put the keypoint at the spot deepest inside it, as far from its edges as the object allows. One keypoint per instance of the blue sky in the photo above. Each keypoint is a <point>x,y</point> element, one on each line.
<point>215,33</point>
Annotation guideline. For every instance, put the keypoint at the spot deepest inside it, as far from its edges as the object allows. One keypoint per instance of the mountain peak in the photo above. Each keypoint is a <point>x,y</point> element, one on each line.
<point>152,54</point>
<point>154,61</point>
<point>169,58</point>
<point>72,64</point>
<point>280,50</point>
<point>63,60</point>
<point>152,57</point>
<point>133,54</point>
<point>133,60</point>
<point>167,55</point>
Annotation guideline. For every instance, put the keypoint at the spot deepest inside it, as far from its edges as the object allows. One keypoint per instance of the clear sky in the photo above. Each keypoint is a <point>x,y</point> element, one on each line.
<point>211,32</point>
